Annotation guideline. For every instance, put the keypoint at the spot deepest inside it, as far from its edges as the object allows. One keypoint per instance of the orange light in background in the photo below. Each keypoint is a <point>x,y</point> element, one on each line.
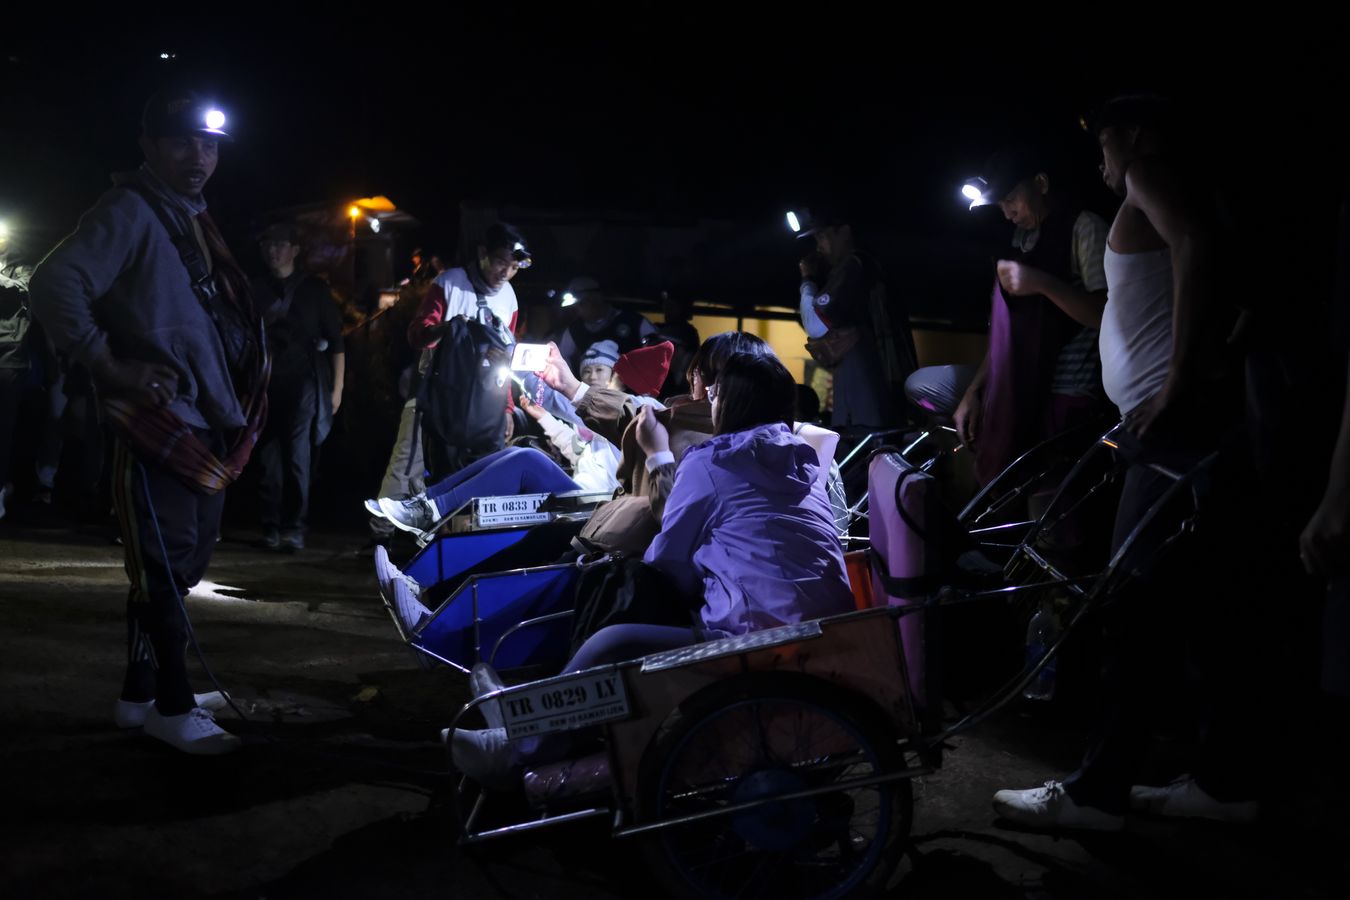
<point>377,204</point>
<point>354,211</point>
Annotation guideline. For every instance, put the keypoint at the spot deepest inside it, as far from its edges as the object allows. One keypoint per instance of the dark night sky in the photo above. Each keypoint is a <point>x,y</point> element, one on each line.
<point>660,109</point>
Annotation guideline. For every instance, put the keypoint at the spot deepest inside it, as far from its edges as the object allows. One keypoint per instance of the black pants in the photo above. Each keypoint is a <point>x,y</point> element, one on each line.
<point>1189,623</point>
<point>286,454</point>
<point>168,532</point>
<point>11,393</point>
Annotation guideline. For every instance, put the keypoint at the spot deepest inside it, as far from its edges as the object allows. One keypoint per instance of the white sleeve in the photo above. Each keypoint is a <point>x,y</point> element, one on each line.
<point>810,320</point>
<point>562,437</point>
<point>660,458</point>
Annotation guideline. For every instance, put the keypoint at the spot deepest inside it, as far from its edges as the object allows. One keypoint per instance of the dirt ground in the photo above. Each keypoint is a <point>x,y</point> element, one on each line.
<point>343,790</point>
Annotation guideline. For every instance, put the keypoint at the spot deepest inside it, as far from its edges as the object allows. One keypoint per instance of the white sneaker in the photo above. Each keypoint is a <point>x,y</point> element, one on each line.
<point>1051,807</point>
<point>411,612</point>
<point>385,572</point>
<point>414,514</point>
<point>484,680</point>
<point>1184,799</point>
<point>485,754</point>
<point>373,507</point>
<point>127,714</point>
<point>195,732</point>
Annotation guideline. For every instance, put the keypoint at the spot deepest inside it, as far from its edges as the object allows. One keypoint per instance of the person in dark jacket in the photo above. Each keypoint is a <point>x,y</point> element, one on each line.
<point>304,336</point>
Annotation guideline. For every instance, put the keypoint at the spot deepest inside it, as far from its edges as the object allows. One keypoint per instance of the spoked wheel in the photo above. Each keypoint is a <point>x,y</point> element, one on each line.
<point>770,738</point>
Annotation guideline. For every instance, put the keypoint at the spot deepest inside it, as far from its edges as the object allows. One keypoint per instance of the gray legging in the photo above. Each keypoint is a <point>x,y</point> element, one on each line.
<point>616,643</point>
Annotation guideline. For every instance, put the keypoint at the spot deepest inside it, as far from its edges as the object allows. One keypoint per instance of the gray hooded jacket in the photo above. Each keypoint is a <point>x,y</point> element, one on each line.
<point>118,284</point>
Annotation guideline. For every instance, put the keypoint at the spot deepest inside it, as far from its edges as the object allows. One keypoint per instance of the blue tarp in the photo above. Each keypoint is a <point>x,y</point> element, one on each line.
<point>503,601</point>
<point>452,554</point>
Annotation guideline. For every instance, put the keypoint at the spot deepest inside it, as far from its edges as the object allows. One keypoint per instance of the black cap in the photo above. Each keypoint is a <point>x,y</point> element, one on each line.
<point>182,113</point>
<point>821,215</point>
<point>501,236</point>
<point>1008,168</point>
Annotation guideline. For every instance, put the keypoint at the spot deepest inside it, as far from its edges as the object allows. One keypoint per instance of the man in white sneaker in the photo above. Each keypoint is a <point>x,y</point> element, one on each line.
<point>1161,334</point>
<point>146,295</point>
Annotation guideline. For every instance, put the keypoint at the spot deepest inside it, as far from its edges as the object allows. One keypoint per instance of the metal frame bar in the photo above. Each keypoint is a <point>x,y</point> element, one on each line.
<point>1094,596</point>
<point>853,784</point>
<point>1016,464</point>
<point>867,439</point>
<point>426,537</point>
<point>472,583</point>
<point>1005,527</point>
<point>474,837</point>
<point>1103,442</point>
<point>527,623</point>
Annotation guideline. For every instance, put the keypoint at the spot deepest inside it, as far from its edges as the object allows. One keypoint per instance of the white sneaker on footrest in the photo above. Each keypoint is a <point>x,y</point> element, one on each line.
<point>385,573</point>
<point>486,755</point>
<point>414,514</point>
<point>1051,807</point>
<point>483,679</point>
<point>195,732</point>
<point>127,714</point>
<point>410,611</point>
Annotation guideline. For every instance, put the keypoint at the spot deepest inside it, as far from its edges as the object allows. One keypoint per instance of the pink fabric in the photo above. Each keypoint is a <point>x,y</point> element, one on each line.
<point>900,553</point>
<point>1025,337</point>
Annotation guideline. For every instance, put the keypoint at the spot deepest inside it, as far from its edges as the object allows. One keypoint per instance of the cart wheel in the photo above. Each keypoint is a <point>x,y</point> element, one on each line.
<point>764,737</point>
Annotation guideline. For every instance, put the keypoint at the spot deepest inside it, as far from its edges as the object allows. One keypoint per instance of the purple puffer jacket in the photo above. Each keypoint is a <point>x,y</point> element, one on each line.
<point>748,526</point>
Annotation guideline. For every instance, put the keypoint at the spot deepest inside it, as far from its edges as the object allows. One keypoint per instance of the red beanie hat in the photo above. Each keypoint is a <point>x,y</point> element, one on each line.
<point>644,370</point>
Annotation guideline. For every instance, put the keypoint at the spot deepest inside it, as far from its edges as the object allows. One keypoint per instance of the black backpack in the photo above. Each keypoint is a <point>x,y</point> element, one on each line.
<point>627,591</point>
<point>462,397</point>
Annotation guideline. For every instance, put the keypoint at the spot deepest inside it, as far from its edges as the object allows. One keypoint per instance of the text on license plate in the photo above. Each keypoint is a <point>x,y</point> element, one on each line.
<point>565,705</point>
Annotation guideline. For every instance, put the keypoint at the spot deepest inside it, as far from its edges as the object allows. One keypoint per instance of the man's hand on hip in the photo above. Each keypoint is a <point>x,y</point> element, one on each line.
<point>152,383</point>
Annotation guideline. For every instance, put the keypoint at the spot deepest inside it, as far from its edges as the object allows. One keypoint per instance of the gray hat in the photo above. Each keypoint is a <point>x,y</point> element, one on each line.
<point>601,353</point>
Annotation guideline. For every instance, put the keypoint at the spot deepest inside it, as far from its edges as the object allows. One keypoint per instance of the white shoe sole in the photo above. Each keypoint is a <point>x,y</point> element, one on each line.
<point>132,715</point>
<point>1084,818</point>
<point>212,744</point>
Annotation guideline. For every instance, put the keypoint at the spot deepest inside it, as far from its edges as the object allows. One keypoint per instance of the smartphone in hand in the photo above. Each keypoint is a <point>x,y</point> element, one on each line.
<point>529,357</point>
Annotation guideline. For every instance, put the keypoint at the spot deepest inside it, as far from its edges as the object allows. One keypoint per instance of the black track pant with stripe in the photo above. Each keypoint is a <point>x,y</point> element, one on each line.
<point>162,564</point>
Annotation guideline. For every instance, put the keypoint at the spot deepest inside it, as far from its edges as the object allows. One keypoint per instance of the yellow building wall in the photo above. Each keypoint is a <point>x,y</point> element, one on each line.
<point>788,340</point>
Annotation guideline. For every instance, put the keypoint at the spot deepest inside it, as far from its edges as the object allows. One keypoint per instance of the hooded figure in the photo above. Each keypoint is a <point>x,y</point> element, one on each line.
<point>749,513</point>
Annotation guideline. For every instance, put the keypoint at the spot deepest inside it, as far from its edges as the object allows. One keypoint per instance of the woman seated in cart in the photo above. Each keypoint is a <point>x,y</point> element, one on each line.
<point>747,527</point>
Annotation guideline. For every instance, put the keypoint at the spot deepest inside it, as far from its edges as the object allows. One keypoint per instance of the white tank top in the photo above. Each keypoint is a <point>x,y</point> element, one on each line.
<point>1136,333</point>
